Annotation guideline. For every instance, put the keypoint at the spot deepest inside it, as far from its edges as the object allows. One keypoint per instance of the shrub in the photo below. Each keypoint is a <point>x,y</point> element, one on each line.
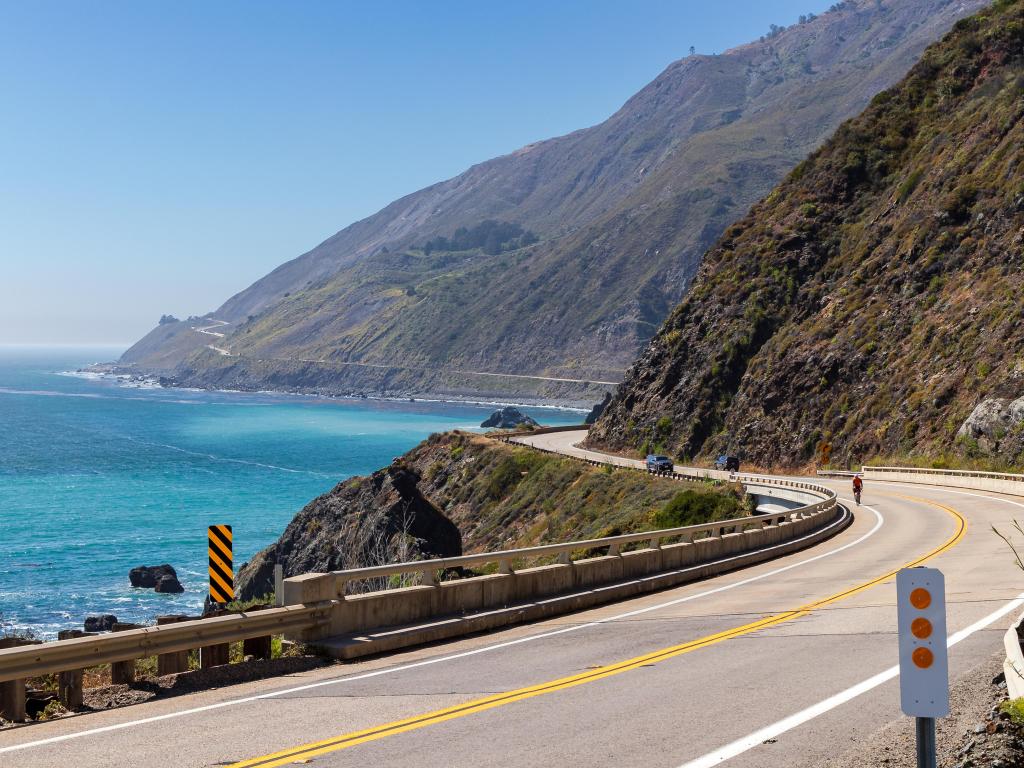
<point>692,507</point>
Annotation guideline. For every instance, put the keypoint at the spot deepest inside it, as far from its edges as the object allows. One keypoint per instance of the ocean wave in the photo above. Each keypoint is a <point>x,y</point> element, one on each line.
<point>228,459</point>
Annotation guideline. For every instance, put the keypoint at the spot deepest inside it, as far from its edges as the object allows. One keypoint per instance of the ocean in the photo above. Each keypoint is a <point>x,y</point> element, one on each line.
<point>98,476</point>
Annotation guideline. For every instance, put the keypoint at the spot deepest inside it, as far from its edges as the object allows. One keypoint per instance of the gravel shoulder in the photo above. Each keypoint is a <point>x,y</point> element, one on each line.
<point>974,735</point>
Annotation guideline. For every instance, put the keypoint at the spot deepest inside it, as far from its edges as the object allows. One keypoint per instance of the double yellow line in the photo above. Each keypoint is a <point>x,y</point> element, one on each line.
<point>313,749</point>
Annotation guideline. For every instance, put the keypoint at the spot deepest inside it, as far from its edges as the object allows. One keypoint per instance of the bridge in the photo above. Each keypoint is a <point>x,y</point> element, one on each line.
<point>768,640</point>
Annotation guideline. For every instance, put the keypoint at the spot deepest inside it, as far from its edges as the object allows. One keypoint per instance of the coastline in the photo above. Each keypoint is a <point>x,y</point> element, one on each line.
<point>124,376</point>
<point>139,483</point>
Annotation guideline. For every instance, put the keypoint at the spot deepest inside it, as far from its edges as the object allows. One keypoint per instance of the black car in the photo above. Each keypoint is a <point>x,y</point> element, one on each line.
<point>728,463</point>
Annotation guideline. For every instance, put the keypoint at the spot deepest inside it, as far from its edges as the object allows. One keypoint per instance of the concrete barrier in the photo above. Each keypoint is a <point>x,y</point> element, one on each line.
<point>997,482</point>
<point>1013,666</point>
<point>374,622</point>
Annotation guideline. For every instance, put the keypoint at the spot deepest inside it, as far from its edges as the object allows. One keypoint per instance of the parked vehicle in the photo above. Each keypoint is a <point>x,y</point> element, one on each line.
<point>658,463</point>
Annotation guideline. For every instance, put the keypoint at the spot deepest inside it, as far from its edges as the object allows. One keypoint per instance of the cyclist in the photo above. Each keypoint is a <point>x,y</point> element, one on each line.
<point>858,486</point>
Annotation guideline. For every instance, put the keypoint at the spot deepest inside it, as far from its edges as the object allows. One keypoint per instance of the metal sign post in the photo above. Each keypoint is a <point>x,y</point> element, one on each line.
<point>924,664</point>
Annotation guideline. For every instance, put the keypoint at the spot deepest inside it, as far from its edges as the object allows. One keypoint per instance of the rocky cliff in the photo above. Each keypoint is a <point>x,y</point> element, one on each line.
<point>870,302</point>
<point>460,492</point>
<point>623,211</point>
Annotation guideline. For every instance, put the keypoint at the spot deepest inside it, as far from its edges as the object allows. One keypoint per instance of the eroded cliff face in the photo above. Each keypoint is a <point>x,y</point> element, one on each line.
<point>871,301</point>
<point>464,492</point>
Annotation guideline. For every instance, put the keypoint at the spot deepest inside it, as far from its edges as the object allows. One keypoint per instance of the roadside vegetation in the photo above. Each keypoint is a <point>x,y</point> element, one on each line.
<point>503,496</point>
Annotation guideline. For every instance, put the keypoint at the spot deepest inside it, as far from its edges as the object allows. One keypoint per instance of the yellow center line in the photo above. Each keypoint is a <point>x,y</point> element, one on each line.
<point>344,741</point>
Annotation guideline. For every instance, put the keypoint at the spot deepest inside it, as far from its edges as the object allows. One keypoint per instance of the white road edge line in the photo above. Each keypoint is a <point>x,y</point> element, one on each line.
<point>750,741</point>
<point>879,521</point>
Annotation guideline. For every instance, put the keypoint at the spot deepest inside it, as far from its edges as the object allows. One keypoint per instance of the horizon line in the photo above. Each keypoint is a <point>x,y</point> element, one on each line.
<point>64,344</point>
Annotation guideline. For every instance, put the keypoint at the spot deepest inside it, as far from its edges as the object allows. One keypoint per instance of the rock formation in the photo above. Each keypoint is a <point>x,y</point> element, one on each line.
<point>508,418</point>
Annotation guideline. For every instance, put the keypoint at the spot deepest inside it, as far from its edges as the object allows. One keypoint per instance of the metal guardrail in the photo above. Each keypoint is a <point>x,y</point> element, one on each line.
<point>505,558</point>
<point>81,652</point>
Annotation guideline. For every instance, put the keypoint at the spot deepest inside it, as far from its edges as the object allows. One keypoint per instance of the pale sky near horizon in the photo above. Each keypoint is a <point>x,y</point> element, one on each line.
<point>159,157</point>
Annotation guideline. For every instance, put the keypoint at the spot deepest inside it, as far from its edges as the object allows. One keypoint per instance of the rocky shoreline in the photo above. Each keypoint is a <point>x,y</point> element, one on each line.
<point>130,377</point>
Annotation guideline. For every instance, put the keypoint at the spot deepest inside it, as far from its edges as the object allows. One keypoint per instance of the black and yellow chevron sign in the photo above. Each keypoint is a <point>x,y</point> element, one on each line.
<point>222,576</point>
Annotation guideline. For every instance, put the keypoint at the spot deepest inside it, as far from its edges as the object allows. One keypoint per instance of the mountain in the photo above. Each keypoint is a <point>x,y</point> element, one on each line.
<point>870,306</point>
<point>434,290</point>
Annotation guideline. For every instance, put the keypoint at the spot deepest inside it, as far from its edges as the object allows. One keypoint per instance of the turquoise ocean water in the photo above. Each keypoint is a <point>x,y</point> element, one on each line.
<point>97,477</point>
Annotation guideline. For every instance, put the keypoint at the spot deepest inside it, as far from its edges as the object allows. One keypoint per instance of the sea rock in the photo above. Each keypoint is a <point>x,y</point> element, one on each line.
<point>509,418</point>
<point>598,409</point>
<point>102,623</point>
<point>147,576</point>
<point>169,584</point>
<point>992,421</point>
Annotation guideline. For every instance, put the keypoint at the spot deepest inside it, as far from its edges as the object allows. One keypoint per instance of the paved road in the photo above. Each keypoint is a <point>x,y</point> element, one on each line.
<point>795,653</point>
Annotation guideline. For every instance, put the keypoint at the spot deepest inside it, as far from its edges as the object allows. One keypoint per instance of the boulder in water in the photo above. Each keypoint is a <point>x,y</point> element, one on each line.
<point>147,576</point>
<point>509,418</point>
<point>103,623</point>
<point>169,584</point>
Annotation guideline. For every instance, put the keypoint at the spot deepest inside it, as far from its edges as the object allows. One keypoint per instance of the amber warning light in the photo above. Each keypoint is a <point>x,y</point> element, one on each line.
<point>924,670</point>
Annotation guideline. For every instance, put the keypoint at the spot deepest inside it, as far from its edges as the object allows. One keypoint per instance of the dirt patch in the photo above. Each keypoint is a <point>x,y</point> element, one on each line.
<point>975,735</point>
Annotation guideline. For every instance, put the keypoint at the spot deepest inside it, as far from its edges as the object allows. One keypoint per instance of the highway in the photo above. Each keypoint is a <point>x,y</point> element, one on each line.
<point>788,663</point>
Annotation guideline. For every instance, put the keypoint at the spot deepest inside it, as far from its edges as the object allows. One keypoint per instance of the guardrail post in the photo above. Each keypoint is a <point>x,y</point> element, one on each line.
<point>12,692</point>
<point>654,544</point>
<point>564,559</point>
<point>70,684</point>
<point>12,701</point>
<point>428,577</point>
<point>123,672</point>
<point>175,662</point>
<point>505,567</point>
<point>613,549</point>
<point>259,647</point>
<point>214,655</point>
<point>70,689</point>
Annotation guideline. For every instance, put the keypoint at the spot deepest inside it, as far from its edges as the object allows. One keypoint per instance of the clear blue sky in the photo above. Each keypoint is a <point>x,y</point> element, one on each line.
<point>159,156</point>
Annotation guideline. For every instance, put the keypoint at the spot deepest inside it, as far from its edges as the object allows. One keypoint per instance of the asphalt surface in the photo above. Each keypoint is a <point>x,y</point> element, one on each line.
<point>776,660</point>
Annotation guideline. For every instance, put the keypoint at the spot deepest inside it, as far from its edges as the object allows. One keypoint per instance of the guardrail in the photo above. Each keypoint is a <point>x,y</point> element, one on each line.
<point>997,482</point>
<point>585,573</point>
<point>427,569</point>
<point>71,656</point>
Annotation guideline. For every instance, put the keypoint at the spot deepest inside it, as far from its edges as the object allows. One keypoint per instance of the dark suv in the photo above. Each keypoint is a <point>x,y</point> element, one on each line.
<point>656,463</point>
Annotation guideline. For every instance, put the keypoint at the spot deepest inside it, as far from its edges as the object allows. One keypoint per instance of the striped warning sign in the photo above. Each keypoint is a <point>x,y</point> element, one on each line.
<point>222,576</point>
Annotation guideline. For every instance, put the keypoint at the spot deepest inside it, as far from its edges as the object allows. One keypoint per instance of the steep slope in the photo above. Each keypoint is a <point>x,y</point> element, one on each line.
<point>462,492</point>
<point>623,211</point>
<point>873,299</point>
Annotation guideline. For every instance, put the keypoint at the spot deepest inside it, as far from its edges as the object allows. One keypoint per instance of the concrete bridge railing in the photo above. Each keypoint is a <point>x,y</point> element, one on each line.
<point>570,576</point>
<point>997,482</point>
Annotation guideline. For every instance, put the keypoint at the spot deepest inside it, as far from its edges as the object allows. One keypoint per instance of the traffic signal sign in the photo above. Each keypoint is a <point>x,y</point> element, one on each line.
<point>924,667</point>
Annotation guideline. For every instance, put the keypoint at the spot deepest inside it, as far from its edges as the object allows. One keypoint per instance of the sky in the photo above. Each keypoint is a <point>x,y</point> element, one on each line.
<point>157,157</point>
